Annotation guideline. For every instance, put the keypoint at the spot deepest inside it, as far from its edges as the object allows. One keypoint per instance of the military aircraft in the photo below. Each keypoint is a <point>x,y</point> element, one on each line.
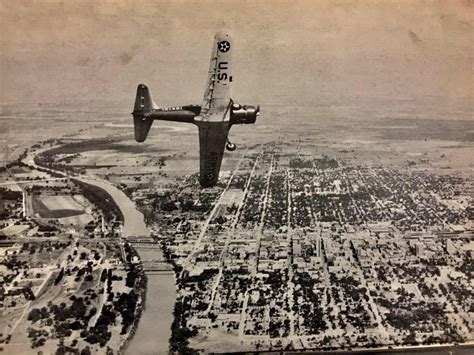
<point>214,117</point>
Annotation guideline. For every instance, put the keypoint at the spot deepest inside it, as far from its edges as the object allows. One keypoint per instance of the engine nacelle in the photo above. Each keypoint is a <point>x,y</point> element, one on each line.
<point>243,114</point>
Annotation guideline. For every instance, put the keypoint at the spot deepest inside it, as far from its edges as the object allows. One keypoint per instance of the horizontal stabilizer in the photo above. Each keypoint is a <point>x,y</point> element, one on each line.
<point>142,122</point>
<point>142,127</point>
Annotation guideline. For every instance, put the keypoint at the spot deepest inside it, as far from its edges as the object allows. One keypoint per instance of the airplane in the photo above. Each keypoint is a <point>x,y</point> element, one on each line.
<point>214,118</point>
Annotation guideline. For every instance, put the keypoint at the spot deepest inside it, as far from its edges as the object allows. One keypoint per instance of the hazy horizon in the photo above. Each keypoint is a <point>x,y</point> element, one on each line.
<point>289,53</point>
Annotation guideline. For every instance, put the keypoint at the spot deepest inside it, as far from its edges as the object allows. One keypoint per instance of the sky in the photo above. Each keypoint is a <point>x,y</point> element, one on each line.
<point>288,52</point>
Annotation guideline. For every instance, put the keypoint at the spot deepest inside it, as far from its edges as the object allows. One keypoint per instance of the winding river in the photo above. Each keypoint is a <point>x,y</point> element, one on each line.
<point>154,328</point>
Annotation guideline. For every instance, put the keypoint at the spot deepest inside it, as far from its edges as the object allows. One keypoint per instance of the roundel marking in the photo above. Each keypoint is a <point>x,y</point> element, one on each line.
<point>223,46</point>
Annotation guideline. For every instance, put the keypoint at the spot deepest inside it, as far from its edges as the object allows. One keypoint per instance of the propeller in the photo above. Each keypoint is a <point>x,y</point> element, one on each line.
<point>257,111</point>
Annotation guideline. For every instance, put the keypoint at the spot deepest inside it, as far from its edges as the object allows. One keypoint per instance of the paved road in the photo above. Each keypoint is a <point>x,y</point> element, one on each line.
<point>29,181</point>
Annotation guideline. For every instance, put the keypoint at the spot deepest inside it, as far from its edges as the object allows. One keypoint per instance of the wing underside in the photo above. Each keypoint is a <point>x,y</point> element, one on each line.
<point>212,141</point>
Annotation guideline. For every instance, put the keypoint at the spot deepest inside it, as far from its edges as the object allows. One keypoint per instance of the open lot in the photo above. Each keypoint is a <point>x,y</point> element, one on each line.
<point>56,206</point>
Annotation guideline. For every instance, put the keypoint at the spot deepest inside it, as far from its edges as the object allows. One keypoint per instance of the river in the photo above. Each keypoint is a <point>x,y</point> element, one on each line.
<point>154,327</point>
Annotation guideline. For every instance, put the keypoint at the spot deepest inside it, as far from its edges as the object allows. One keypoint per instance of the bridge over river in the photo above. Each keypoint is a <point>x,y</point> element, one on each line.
<point>151,256</point>
<point>154,328</point>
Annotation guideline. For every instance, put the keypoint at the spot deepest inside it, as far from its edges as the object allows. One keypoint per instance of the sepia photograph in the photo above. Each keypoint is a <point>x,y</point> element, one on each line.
<point>236,177</point>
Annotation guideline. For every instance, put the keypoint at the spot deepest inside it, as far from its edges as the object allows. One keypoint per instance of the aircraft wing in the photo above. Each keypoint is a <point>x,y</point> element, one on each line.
<point>212,141</point>
<point>217,94</point>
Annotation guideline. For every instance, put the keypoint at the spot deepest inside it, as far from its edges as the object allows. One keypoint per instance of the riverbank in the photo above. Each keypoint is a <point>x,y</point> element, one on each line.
<point>154,327</point>
<point>152,331</point>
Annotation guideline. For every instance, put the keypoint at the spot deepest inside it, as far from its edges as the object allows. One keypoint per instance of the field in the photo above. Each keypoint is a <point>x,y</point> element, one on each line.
<point>56,206</point>
<point>13,230</point>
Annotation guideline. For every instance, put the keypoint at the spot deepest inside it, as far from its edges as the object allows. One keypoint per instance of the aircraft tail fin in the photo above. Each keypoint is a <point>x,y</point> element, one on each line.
<point>143,103</point>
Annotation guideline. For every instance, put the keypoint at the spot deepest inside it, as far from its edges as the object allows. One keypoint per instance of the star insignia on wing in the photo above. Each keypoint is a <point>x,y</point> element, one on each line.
<point>223,46</point>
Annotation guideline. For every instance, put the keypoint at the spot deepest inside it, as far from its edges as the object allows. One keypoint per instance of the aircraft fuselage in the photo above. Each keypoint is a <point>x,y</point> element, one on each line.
<point>214,117</point>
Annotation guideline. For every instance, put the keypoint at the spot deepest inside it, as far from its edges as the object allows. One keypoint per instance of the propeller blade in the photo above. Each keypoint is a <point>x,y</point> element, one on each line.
<point>258,110</point>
